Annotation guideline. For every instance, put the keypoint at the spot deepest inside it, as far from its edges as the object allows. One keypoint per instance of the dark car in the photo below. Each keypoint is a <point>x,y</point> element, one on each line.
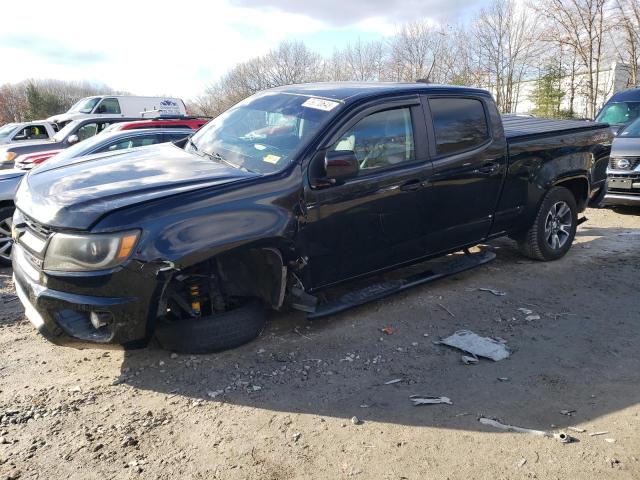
<point>621,109</point>
<point>109,142</point>
<point>74,132</point>
<point>285,195</point>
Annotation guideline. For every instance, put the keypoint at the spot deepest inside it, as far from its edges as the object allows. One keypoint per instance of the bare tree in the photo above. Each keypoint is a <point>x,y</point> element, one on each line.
<point>581,25</point>
<point>415,51</point>
<point>506,45</point>
<point>13,103</point>
<point>362,61</point>
<point>627,18</point>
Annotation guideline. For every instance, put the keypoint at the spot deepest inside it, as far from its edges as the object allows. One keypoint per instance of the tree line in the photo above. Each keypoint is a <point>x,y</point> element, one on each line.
<point>560,45</point>
<point>39,99</point>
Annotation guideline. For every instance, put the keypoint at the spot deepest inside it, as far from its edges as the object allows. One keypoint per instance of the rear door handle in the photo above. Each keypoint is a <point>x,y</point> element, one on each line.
<point>488,168</point>
<point>411,185</point>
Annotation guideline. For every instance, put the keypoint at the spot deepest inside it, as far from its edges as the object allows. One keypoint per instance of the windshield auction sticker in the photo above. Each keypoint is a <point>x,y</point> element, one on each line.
<point>320,104</point>
<point>271,158</point>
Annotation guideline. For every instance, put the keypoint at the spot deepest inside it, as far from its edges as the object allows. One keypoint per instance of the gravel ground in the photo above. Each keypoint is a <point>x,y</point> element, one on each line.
<point>283,405</point>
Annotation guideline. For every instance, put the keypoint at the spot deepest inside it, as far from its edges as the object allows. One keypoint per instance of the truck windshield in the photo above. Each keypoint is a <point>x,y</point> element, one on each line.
<point>62,134</point>
<point>85,105</point>
<point>619,112</point>
<point>263,133</point>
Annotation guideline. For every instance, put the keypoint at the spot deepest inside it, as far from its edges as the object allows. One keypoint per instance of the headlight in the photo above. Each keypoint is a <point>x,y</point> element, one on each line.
<point>9,156</point>
<point>83,253</point>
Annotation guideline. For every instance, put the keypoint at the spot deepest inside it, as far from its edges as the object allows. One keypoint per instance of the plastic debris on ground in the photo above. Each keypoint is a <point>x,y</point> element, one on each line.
<point>595,434</point>
<point>576,429</point>
<point>429,400</point>
<point>468,360</point>
<point>497,293</point>
<point>391,382</point>
<point>387,330</point>
<point>476,345</point>
<point>525,311</point>
<point>560,436</point>
<point>568,413</point>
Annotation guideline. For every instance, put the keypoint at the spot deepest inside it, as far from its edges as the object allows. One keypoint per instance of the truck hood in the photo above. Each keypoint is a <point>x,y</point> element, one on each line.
<point>77,194</point>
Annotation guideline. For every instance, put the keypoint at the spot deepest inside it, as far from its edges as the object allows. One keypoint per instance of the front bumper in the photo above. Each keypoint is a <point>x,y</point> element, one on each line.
<point>63,317</point>
<point>623,188</point>
<point>619,199</point>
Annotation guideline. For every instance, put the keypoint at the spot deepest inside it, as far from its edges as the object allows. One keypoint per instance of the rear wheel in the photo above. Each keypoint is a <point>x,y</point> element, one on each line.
<point>554,228</point>
<point>6,242</point>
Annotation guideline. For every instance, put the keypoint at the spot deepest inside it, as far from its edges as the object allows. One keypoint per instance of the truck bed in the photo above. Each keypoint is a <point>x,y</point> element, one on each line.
<point>518,128</point>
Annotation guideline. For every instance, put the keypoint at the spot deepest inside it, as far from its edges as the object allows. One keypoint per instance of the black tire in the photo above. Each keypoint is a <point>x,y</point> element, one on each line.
<point>212,333</point>
<point>538,242</point>
<point>6,215</point>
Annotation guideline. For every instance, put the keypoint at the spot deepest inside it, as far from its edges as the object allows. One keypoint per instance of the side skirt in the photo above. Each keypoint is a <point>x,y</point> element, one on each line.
<point>384,289</point>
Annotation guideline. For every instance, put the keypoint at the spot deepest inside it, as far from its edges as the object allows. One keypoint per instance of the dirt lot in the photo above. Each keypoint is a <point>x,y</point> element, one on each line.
<point>281,407</point>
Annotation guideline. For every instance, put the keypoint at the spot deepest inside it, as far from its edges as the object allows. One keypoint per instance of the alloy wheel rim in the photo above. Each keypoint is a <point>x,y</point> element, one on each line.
<point>6,242</point>
<point>557,225</point>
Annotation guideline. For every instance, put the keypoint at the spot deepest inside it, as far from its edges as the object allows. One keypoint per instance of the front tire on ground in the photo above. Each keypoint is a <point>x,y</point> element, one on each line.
<point>6,242</point>
<point>554,228</point>
<point>212,333</point>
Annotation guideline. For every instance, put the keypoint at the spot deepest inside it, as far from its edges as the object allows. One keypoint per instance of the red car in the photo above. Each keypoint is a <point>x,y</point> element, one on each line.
<point>187,122</point>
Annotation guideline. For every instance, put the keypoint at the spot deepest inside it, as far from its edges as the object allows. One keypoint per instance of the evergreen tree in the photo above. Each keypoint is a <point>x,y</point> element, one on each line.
<point>547,95</point>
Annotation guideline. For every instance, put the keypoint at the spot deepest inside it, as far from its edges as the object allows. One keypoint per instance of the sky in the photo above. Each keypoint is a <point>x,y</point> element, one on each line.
<point>178,48</point>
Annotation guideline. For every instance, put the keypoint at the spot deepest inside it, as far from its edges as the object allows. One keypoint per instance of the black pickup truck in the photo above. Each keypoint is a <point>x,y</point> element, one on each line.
<point>291,192</point>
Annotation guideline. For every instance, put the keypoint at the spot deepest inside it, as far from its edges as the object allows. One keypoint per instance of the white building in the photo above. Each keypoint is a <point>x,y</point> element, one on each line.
<point>610,81</point>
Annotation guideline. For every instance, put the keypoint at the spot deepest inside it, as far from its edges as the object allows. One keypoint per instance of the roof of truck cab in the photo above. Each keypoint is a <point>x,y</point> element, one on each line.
<point>348,91</point>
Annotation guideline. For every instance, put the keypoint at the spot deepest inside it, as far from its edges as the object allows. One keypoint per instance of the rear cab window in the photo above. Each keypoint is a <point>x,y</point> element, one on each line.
<point>460,124</point>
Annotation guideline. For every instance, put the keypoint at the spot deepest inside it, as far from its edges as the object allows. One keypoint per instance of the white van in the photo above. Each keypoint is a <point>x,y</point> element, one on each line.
<point>120,105</point>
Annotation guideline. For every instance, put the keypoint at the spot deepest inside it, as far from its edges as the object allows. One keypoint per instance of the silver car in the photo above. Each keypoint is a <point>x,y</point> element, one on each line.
<point>102,143</point>
<point>623,173</point>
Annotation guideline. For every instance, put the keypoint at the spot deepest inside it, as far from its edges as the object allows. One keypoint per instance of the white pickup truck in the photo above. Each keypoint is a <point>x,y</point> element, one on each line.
<point>21,131</point>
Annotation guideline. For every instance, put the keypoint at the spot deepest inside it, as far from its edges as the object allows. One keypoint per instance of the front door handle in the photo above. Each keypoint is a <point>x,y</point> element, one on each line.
<point>488,168</point>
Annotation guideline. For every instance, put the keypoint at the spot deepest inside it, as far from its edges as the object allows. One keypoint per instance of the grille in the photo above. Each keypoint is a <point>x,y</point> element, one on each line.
<point>37,228</point>
<point>628,163</point>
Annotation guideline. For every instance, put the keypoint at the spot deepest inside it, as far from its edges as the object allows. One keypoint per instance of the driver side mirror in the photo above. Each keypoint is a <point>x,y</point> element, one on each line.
<point>72,139</point>
<point>341,165</point>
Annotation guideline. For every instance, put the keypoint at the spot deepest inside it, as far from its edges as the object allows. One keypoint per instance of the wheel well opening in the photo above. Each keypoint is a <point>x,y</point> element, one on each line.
<point>225,281</point>
<point>579,187</point>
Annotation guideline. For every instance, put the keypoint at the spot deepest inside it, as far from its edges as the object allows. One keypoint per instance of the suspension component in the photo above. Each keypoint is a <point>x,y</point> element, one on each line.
<point>194,294</point>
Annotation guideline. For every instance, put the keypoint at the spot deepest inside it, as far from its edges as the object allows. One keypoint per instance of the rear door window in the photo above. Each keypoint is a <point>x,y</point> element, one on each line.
<point>139,141</point>
<point>32,132</point>
<point>460,124</point>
